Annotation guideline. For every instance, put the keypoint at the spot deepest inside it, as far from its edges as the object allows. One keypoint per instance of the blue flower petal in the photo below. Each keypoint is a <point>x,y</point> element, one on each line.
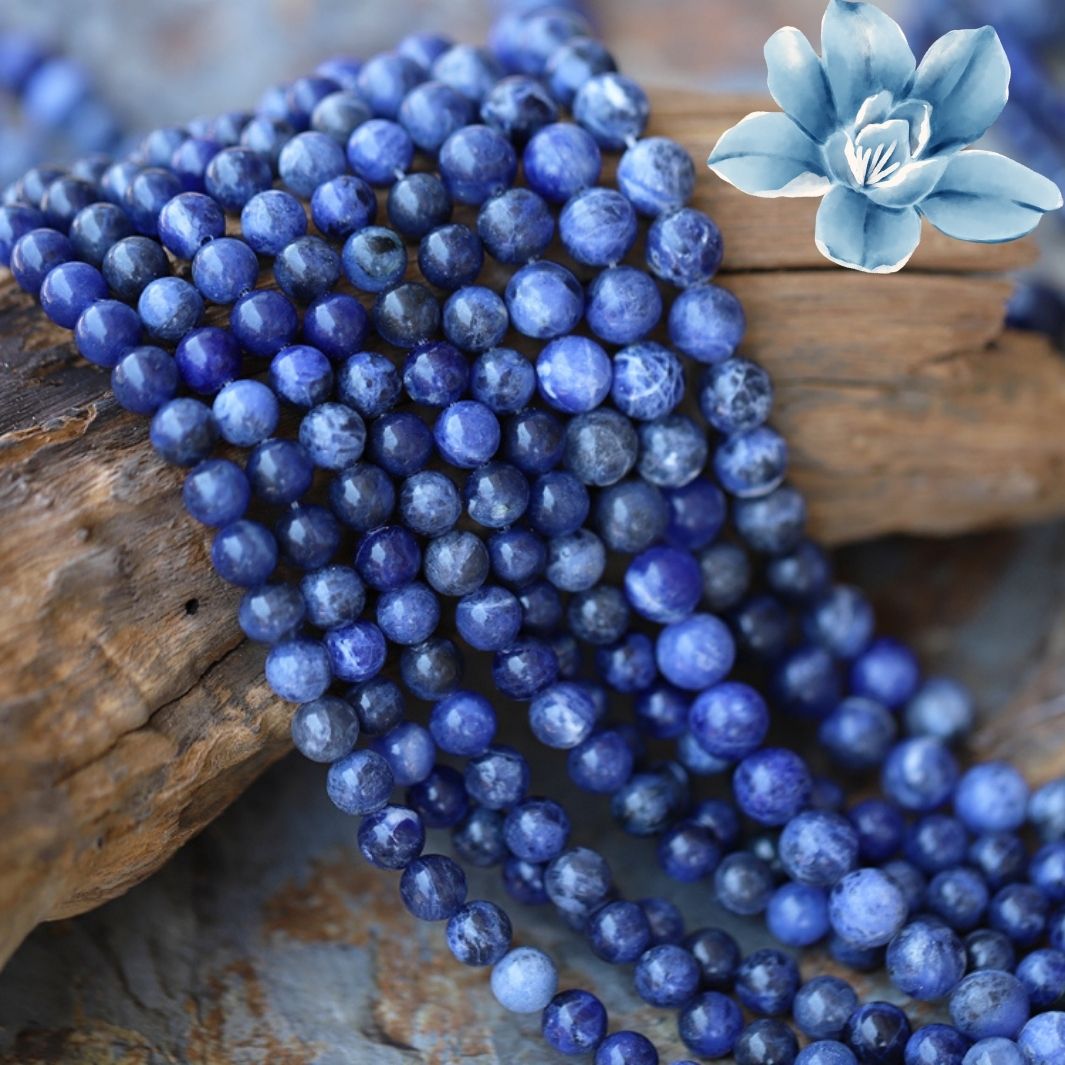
<point>965,76</point>
<point>837,159</point>
<point>918,113</point>
<point>797,82</point>
<point>987,198</point>
<point>863,52</point>
<point>766,154</point>
<point>853,231</point>
<point>911,184</point>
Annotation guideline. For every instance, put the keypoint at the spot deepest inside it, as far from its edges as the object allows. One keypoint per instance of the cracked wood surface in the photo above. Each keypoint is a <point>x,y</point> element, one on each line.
<point>130,711</point>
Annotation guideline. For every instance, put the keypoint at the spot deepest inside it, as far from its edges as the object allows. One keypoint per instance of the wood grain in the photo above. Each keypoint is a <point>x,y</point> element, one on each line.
<point>130,710</point>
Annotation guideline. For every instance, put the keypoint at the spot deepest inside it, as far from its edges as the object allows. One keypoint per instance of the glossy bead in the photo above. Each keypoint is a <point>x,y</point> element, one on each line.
<point>264,322</point>
<point>1020,911</point>
<point>106,331</point>
<point>623,305</point>
<point>1046,809</point>
<point>16,220</point>
<point>725,575</point>
<point>216,492</point>
<point>992,797</point>
<point>544,300</point>
<point>925,960</point>
<point>298,669</point>
<point>766,982</point>
<point>359,783</point>
<point>525,668</point>
<point>401,443</point>
<point>379,704</point>
<point>575,561</point>
<point>417,204</point>
<point>271,220</point>
<point>673,451</point>
<point>431,112</point>
<point>959,896</point>
<point>858,734</point>
<point>649,801</point>
<point>989,1003</point>
<point>562,716</point>
<point>450,256</point>
<point>823,1005</point>
<point>561,160</point>
<point>695,653</point>
<point>332,595</point>
<point>334,435</point>
<point>940,708</point>
<point>408,615</point>
<point>516,226</point>
<point>463,724</point>
<point>613,108</point>
<point>524,980</point>
<point>479,839</point>
<point>146,195</point>
<point>602,763</point>
<point>410,752</point>
<point>475,318</point>
<point>710,1024</point>
<point>558,504</point>
<point>357,650</point>
<point>129,266</point>
<point>574,63</point>
<point>818,847</point>
<point>97,228</point>
<point>751,464</point>
<point>235,175</point>
<point>518,106</point>
<point>886,671</point>
<point>308,160</point>
<point>476,163</point>
<point>766,1042</point>
<point>1042,1038</point>
<point>574,1022</point>
<point>629,664</point>
<point>657,175</point>
<point>244,553</point>
<point>339,114</point>
<point>456,563</point>
<point>169,308</point>
<point>386,79</point>
<point>225,269</point>
<point>433,887</point>
<point>392,837</point>
<point>388,558</point>
<point>246,412</point>
<point>648,381</point>
<point>536,830</point>
<point>517,556</point>
<point>619,932</point>
<point>68,289</point>
<point>826,1052</point>
<point>599,615</point>
<point>708,322</point>
<point>867,908</point>
<point>601,447</point>
<point>878,1032</point>
<point>280,471</point>
<point>994,1051</point>
<point>325,729</point>
<point>406,314</point>
<point>306,269</point>
<point>729,720</point>
<point>440,798</point>
<point>1043,974</point>
<point>183,431</point>
<point>489,619</point>
<point>687,853</point>
<point>920,774</point>
<point>270,613</point>
<point>498,778</point>
<point>380,151</point>
<point>717,955</point>
<point>303,95</point>
<point>841,621</point>
<point>479,933</point>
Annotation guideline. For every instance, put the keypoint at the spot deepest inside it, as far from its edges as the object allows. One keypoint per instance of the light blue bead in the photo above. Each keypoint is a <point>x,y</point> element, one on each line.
<point>246,412</point>
<point>624,305</point>
<point>598,227</point>
<point>867,908</point>
<point>545,300</point>
<point>695,653</point>
<point>524,980</point>
<point>707,322</point>
<point>574,374</point>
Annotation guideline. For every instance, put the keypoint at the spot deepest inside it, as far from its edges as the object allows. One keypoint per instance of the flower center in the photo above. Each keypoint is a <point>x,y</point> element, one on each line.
<point>870,166</point>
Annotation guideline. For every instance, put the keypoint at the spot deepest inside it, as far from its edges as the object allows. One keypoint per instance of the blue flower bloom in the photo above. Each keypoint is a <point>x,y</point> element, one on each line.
<point>881,139</point>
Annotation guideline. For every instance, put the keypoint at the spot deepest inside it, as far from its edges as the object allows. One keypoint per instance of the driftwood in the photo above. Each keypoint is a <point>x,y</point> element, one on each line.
<point>131,712</point>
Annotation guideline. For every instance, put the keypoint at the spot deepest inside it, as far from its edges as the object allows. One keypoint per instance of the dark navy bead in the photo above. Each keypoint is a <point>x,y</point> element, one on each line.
<point>708,322</point>
<point>534,441</point>
<point>1043,974</point>
<point>619,932</point>
<point>1002,858</point>
<point>517,556</point>
<point>244,553</point>
<point>216,492</point>
<point>599,616</point>
<point>823,1005</point>
<point>456,563</point>
<point>36,253</point>
<point>479,933</point>
<point>235,175</point>
<point>560,161</point>
<point>96,229</point>
<point>686,853</point>
<point>613,108</point>
<point>475,318</point>
<point>400,443</point>
<point>264,322</point>
<point>392,837</point>
<point>664,919</point>
<point>498,778</point>
<point>188,222</point>
<point>308,536</point>
<point>379,704</point>
<point>272,220</point>
<point>388,558</point>
<point>451,256</point>
<point>524,881</point>
<point>629,664</point>
<point>307,268</point>
<point>718,956</point>
<point>536,830</point>
<point>169,308</point>
<point>418,204</point>
<point>470,71</point>
<point>662,584</point>
<point>107,330</point>
<point>298,670</point>
<point>662,712</point>
<point>225,269</point>
<point>362,496</point>
<point>183,431</point>
<point>339,114</point>
<point>858,734</point>
<point>280,471</point>
<point>516,226</point>
<point>477,162</point>
<point>602,763</point>
<point>146,196</point>
<point>246,412</point>
<point>431,112</point>
<point>144,379</point>
<point>343,205</point>
<point>518,106</point>
<point>773,524</point>
<point>440,799</point>
<point>766,1042</point>
<point>807,683</point>
<point>497,495</point>
<point>385,80</point>
<point>1019,911</point>
<point>479,838</point>
<point>752,463</point>
<point>303,95</point>
<point>772,785</point>
<point>309,160</point>
<point>936,1044</point>
<point>735,395</point>
<point>574,1022</point>
<point>270,613</point>
<point>878,1032</point>
<point>359,783</point>
<point>332,595</point>
<point>191,160</point>
<point>573,64</point>
<point>69,289</point>
<point>936,842</point>
<point>463,724</point>
<point>525,668</point>
<point>648,802</point>
<point>380,151</point>
<point>325,730</point>
<point>710,1024</point>
<point>116,179</point>
<point>407,314</point>
<point>766,982</point>
<point>357,651</point>
<point>336,324</point>
<point>631,515</point>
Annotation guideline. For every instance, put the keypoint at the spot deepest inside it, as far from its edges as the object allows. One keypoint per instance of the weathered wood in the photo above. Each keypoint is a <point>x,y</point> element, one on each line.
<point>131,710</point>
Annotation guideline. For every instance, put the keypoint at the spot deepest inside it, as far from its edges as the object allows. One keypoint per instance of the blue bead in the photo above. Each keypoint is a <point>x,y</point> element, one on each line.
<point>673,451</point>
<point>541,607</point>
<point>431,112</point>
<point>710,1024</point>
<point>562,716</point>
<point>573,64</point>
<point>280,471</point>
<point>130,265</point>
<point>463,724</point>
<point>270,613</point>
<point>708,322</point>
<point>343,205</point>
<point>648,380</point>
<point>332,595</point>
<point>1047,870</point>
<point>235,175</point>
<point>841,621</point>
<point>524,669</point>
<point>578,881</point>
<point>989,1003</point>
<point>476,163</point>
<point>560,161</point>
<point>272,220</point>
<point>937,1044</point>
<point>304,94</point>
<point>417,204</point>
<point>309,160</point>
<point>735,395</point>
<point>867,908</point>
<point>429,503</point>
<point>105,331</point>
<point>920,774</point>
<point>536,830</point>
<point>467,433</point>
<point>666,975</point>
<point>880,1029</point>
<point>602,763</point>
<point>339,114</point>
<point>451,256</point>
<point>369,383</point>
<point>695,653</point>
<point>743,884</point>
<point>601,447</point>
<point>379,704</point>
<point>190,162</point>
<point>544,300</point>
<point>146,195</point>
<point>267,135</point>
<point>498,778</point>
<point>773,524</point>
<point>574,1022</point>
<point>657,175</point>
<point>308,536</point>
<point>729,720</point>
<point>362,496</point>
<point>910,882</point>
<point>301,375</point>
<point>826,1052</point>
<point>886,671</point>
<point>1042,1037</point>
<point>818,847</point>
<point>518,106</point>
<point>336,324</point>
<point>574,374</point>
<point>183,431</point>
<point>619,932</point>
<point>823,1005</point>
<point>69,289</point>
<point>298,669</point>
<point>766,1042</point>
<point>479,933</point>
<point>440,798</point>
<point>526,39</point>
<point>96,229</point>
<point>216,492</point>
<point>246,412</point>
<point>598,227</point>
<point>264,322</point>
<point>497,495</point>
<point>925,960</point>
<point>751,463</point>
<point>991,797</point>
<point>188,222</point>
<point>631,515</point>
<point>995,1051</point>
<point>516,226</point>
<point>662,712</point>
<point>941,708</point>
<point>806,682</point>
<point>423,48</point>
<point>356,650</point>
<point>1043,974</point>
<point>392,837</point>
<point>880,829</point>
<point>629,664</point>
<point>16,220</point>
<point>385,80</point>
<point>936,842</point>
<point>534,441</point>
<point>524,980</point>
<point>479,839</point>
<point>116,180</point>
<point>456,563</point>
<point>858,734</point>
<point>772,785</point>
<point>575,561</point>
<point>169,308</point>
<point>225,269</point>
<point>475,318</point>
<point>380,151</point>
<point>306,269</point>
<point>1019,911</point>
<point>468,70</point>
<point>649,801</point>
<point>374,259</point>
<point>684,247</point>
<point>400,443</point>
<point>325,730</point>
<point>599,616</point>
<point>517,556</point>
<point>1000,857</point>
<point>687,853</point>
<point>388,558</point>
<point>718,956</point>
<point>407,314</point>
<point>1046,809</point>
<point>35,254</point>
<point>431,670</point>
<point>144,379</point>
<point>359,783</point>
<point>662,584</point>
<point>613,108</point>
<point>334,436</point>
<point>408,615</point>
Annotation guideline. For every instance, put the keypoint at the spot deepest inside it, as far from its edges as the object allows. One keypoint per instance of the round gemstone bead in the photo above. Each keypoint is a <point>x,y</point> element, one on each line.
<point>183,431</point>
<point>524,980</point>
<point>270,613</point>
<point>326,729</point>
<point>357,650</point>
<point>308,160</point>
<point>766,1042</point>
<point>429,503</point>
<point>476,163</point>
<point>408,615</point>
<point>339,114</point>
<point>333,434</point>
<point>406,315</point>
<point>16,220</point>
<point>624,305</point>
<point>271,220</point>
<point>751,464</point>
<point>766,982</point>
<point>574,1022</point>
<point>662,584</point>
<point>417,204</point>
<point>562,716</point>
<point>146,195</point>
<point>216,492</point>
<point>536,830</point>
<point>467,433</point>
<point>602,763</point>
<point>497,495</point>
<point>498,778</point>
<point>518,106</point>
<point>68,289</point>
<point>380,151</point>
<point>657,175</point>
<point>97,228</point>
<point>631,515</point>
<point>695,653</point>
<point>392,837</point>
<point>684,247</point>
<point>431,112</point>
<point>920,774</point>
<point>264,322</point>
<point>574,374</point>
<point>941,708</point>
<point>878,1030</point>
<point>479,933</point>
<point>826,1052</point>
<point>544,300</point>
<point>992,797</point>
<point>601,447</point>
<point>560,161</point>
<point>707,322</point>
<point>574,63</point>
<point>613,108</point>
<point>308,536</point>
<point>246,412</point>
<point>359,783</point>
<point>106,331</point>
<point>235,175</point>
<point>673,451</point>
<point>333,595</point>
<point>925,960</point>
<point>648,381</point>
<point>386,79</point>
<point>128,266</point>
<point>170,307</point>
<point>619,932</point>
<point>858,734</point>
<point>433,887</point>
<point>534,440</point>
<point>225,269</point>
<point>823,1005</point>
<point>1042,1038</point>
<point>516,226</point>
<point>379,704</point>
<point>475,318</point>
<point>818,847</point>
<point>298,669</point>
<point>468,70</point>
<point>989,1003</point>
<point>710,1024</point>
<point>867,908</point>
<point>456,563</point>
<point>463,724</point>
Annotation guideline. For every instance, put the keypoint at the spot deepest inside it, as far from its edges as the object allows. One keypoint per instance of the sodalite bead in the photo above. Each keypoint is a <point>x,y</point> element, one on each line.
<point>867,908</point>
<point>271,612</point>
<point>573,64</point>
<point>574,374</point>
<point>456,563</point>
<point>298,669</point>
<point>601,447</point>
<point>648,381</point>
<point>920,774</point>
<point>729,720</point>
<point>216,492</point>
<point>684,247</point>
<point>859,733</point>
<point>990,1003</point>
<point>467,433</point>
<point>170,307</point>
<point>146,195</point>
<point>392,837</point>
<point>64,198</point>
<point>332,595</point>
<point>992,797</point>
<point>406,314</point>
<point>479,933</point>
<point>191,159</point>
<point>116,180</point>
<point>339,114</point>
<point>334,435</point>
<point>516,226</point>
<point>575,561</point>
<point>598,227</point>
<point>841,621</point>
<point>823,1005</point>
<point>325,729</point>
<point>525,40</point>
<point>357,650</point>
<point>534,440</point>
<point>707,322</point>
<point>68,289</point>
<point>450,256</point>
<point>264,322</point>
<point>306,269</point>
<point>183,431</point>
<point>246,412</point>
<point>562,716</point>
<point>385,80</point>
<point>1042,1038</point>
<point>524,980</point>
<point>710,1024</point>
<point>613,108</point>
<point>469,70</point>
<point>496,495</point>
<point>657,174</point>
<point>308,536</point>
<point>673,451</point>
<point>189,221</point>
<point>244,553</point>
<point>36,253</point>
<point>144,379</point>
<point>631,515</point>
<point>304,94</point>
<point>536,830</point>
<point>942,709</point>
<point>773,524</point>
<point>16,220</point>
<point>235,175</point>
<point>558,504</point>
<point>662,584</point>
<point>362,496</point>
<point>107,330</point>
<point>623,305</point>
<point>379,151</point>
<point>343,205</point>
<point>98,227</point>
<point>224,269</point>
<point>418,204</point>
<point>423,48</point>
<point>475,318</point>
<point>518,106</point>
<point>476,163</point>
<point>359,783</point>
<point>696,515</point>
<point>766,982</point>
<point>574,1022</point>
<point>925,960</point>
<point>560,161</point>
<point>308,160</point>
<point>280,471</point>
<point>271,220</point>
<point>544,300</point>
<point>431,112</point>
<point>408,615</point>
<point>752,463</point>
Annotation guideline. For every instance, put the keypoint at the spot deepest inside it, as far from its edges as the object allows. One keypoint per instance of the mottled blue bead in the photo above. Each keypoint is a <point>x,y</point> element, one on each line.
<point>468,70</point>
<point>707,322</point>
<point>562,716</point>
<point>271,612</point>
<point>246,412</point>
<point>525,668</point>
<point>648,380</point>
<point>280,471</point>
<point>920,774</point>
<point>325,730</point>
<point>560,161</point>
<point>431,112</point>
<point>729,720</point>
<point>936,841</point>
<point>574,374</point>
<point>496,494</point>
<point>629,664</point>
<point>743,884</point>
<point>1000,857</point>
<point>517,556</point>
<point>479,933</point>
<point>478,840</point>
<point>878,1030</point>
<point>612,108</point>
<point>575,561</point>
<point>516,226</point>
<point>380,151</point>
<point>536,830</point>
<point>70,288</point>
<point>544,300</point>
<point>343,205</point>
<point>116,180</point>
<point>264,322</point>
<point>456,563</point>
<point>1043,974</point>
<point>271,220</point>
<point>476,163</point>
<point>463,724</point>
<point>417,204</point>
<point>880,829</point>
<point>989,1003</point>
<point>188,222</point>
<point>429,503</point>
<point>408,615</point>
<point>146,195</point>
<point>498,778</point>
<point>334,435</point>
<point>524,39</point>
<point>359,783</point>
<point>867,908</point>
<point>926,959</point>
<point>657,175</point>
<point>440,798</point>
<point>573,64</point>
<point>534,440</point>
<point>806,682</point>
<point>467,433</point>
<point>695,653</point>
<point>144,379</point>
<point>475,318</point>
<point>298,669</point>
<point>541,607</point>
<point>309,160</point>
<point>631,515</point>
<point>216,492</point>
<point>687,853</point>
<point>858,734</point>
<point>766,982</point>
<point>183,431</point>
<point>940,708</point>
<point>886,671</point>
<point>666,975</point>
<point>841,621</point>
<point>106,330</point>
<point>235,175</point>
<point>306,269</point>
<point>96,229</point>
<point>801,574</point>
<point>673,451</point>
<point>710,1024</point>
<point>1047,870</point>
<point>650,801</point>
<point>823,1005</point>
<point>602,763</point>
<point>401,443</point>
<point>423,48</point>
<point>518,106</point>
<point>432,669</point>
<point>301,375</point>
<point>379,704</point>
<point>662,584</point>
<point>304,94</point>
<point>662,712</point>
<point>385,80</point>
<point>369,383</point>
<point>578,881</point>
<point>391,837</point>
<point>574,1022</point>
<point>339,114</point>
<point>601,447</point>
<point>773,524</point>
<point>684,247</point>
<point>826,1052</point>
<point>936,1044</point>
<point>524,980</point>
<point>1019,911</point>
<point>308,536</point>
<point>991,797</point>
<point>406,314</point>
<point>735,395</point>
<point>225,269</point>
<point>1042,1038</point>
<point>267,135</point>
<point>598,227</point>
<point>451,256</point>
<point>170,307</point>
<point>190,161</point>
<point>336,324</point>
<point>35,254</point>
<point>619,932</point>
<point>751,463</point>
<point>16,220</point>
<point>388,558</point>
<point>356,650</point>
<point>772,785</point>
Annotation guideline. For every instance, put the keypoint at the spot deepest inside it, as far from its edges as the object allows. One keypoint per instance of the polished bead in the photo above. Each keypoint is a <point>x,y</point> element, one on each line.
<point>516,226</point>
<point>479,933</point>
<point>267,135</point>
<point>417,204</point>
<point>992,797</point>
<point>270,613</point>
<point>517,556</point>
<point>264,322</point>
<point>272,220</point>
<point>333,595</point>
<point>925,960</point>
<point>989,1003</point>
<point>518,106</point>
<point>468,70</point>
<point>536,830</point>
<point>380,151</point>
<point>216,492</point>
<point>106,331</point>
<point>619,932</point>
<point>662,584</point>
<point>246,412</point>
<point>96,229</point>
<point>362,496</point>
<point>695,653</point>
<point>498,778</point>
<point>766,982</point>
<point>391,837</point>
<point>629,664</point>
<point>684,247</point>
<point>826,1052</point>
<point>304,94</point>
<point>623,305</point>
<point>357,650</point>
<point>574,63</point>
<point>496,494</point>
<point>69,289</point>
<point>920,774</point>
<point>525,40</point>
<point>478,840</point>
<point>867,908</point>
<point>183,431</point>
<point>235,175</point>
<point>545,300</point>
<point>602,763</point>
<point>1042,1038</point>
<point>561,160</point>
<point>146,195</point>
<point>878,1032</point>
<point>298,669</point>
<point>451,256</point>
<point>599,615</point>
<point>429,503</point>
<point>386,79</point>
<point>823,1005</point>
<point>406,314</point>
<point>710,1024</point>
<point>379,704</point>
<point>325,729</point>
<point>308,536</point>
<point>766,1042</point>
<point>657,174</point>
<point>707,322</point>
<point>36,253</point>
<point>648,381</point>
<point>18,219</point>
<point>476,163</point>
<point>463,724</point>
<point>280,471</point>
<point>144,379</point>
<point>524,980</point>
<point>574,1022</point>
<point>858,734</point>
<point>309,160</point>
<point>475,318</point>
<point>439,798</point>
<point>306,269</point>
<point>613,108</point>
<point>408,615</point>
<point>562,716</point>
<point>334,435</point>
<point>467,433</point>
<point>431,112</point>
<point>339,114</point>
<point>524,669</point>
